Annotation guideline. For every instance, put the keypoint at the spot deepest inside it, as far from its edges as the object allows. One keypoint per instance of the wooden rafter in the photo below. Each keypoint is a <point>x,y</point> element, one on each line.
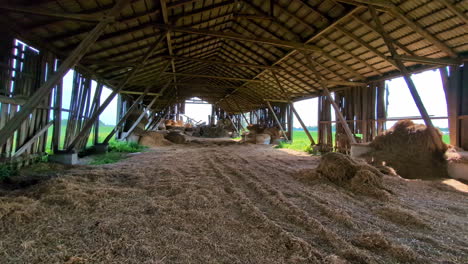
<point>238,37</point>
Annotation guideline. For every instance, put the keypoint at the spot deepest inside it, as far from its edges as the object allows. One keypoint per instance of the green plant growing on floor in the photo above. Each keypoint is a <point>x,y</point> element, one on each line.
<point>117,152</point>
<point>124,146</point>
<point>108,158</point>
<point>6,172</point>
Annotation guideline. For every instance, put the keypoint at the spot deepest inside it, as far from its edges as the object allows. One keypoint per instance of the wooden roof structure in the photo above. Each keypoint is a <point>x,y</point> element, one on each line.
<point>229,52</point>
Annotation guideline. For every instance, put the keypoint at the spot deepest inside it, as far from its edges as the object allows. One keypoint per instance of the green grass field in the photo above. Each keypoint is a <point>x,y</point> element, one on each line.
<point>301,141</point>
<point>103,132</point>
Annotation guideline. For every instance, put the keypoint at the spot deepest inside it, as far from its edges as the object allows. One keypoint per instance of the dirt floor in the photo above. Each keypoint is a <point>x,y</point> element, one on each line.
<point>214,201</point>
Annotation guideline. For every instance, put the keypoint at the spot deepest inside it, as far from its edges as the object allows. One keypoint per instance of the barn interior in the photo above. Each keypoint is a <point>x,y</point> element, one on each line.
<point>367,194</point>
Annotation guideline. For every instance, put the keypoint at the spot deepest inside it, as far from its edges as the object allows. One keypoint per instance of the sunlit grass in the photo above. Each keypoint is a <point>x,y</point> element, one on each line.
<point>302,143</point>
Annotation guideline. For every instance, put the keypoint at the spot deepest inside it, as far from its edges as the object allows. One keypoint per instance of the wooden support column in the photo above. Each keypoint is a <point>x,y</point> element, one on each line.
<point>57,117</point>
<point>33,139</point>
<point>74,57</point>
<point>327,93</point>
<point>135,124</point>
<point>451,96</point>
<point>124,118</point>
<point>277,120</point>
<point>406,75</point>
<point>290,119</point>
<point>89,124</point>
<point>96,103</point>
<point>312,142</point>
<point>240,110</point>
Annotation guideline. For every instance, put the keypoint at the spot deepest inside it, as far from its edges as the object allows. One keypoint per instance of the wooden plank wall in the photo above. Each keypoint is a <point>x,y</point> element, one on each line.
<point>364,109</point>
<point>23,70</point>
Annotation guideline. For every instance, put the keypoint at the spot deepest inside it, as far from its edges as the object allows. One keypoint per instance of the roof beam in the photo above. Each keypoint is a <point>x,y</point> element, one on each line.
<point>451,6</point>
<point>248,65</point>
<point>211,77</point>
<point>68,16</point>
<point>317,35</point>
<point>238,37</point>
<point>397,12</point>
<point>439,61</point>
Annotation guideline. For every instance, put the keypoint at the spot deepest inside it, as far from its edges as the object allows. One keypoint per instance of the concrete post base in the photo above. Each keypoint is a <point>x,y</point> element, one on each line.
<point>64,158</point>
<point>359,149</point>
<point>101,148</point>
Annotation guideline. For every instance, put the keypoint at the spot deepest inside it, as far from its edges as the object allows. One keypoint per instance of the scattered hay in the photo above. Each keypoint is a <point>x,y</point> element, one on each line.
<point>346,172</point>
<point>377,242</point>
<point>368,183</point>
<point>409,149</point>
<point>154,139</point>
<point>401,216</point>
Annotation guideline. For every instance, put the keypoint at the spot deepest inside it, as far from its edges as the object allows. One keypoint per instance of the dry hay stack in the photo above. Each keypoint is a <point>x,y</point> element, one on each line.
<point>408,148</point>
<point>359,177</point>
<point>212,132</point>
<point>175,137</point>
<point>153,139</point>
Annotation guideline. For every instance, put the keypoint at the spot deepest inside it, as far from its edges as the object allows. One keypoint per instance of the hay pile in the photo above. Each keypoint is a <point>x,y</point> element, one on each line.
<point>153,139</point>
<point>408,148</point>
<point>259,134</point>
<point>175,137</point>
<point>359,177</point>
<point>211,131</point>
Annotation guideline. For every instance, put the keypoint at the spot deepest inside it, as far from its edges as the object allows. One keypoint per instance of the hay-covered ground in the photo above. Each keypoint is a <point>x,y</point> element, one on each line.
<point>214,202</point>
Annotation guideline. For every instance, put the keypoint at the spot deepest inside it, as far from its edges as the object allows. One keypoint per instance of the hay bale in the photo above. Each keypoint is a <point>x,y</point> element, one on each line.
<point>176,137</point>
<point>337,167</point>
<point>154,139</point>
<point>409,149</point>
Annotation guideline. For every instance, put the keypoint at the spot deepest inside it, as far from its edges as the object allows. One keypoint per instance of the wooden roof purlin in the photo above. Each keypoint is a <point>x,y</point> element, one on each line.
<point>230,47</point>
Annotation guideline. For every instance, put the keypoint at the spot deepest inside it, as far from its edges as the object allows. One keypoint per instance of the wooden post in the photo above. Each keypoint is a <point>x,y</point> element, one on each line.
<point>409,82</point>
<point>124,118</point>
<point>74,57</point>
<point>234,125</point>
<point>135,124</point>
<point>240,110</point>
<point>323,85</point>
<point>33,139</point>
<point>57,117</point>
<point>451,97</point>
<point>312,142</point>
<point>277,120</point>
<point>89,124</point>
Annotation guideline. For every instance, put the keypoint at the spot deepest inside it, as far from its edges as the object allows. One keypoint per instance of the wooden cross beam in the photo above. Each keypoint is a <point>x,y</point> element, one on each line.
<point>248,65</point>
<point>322,82</point>
<point>135,124</point>
<point>85,129</point>
<point>212,77</point>
<point>47,87</point>
<point>277,120</point>
<point>239,37</point>
<point>47,13</point>
<point>437,141</point>
<point>314,37</point>
<point>291,104</point>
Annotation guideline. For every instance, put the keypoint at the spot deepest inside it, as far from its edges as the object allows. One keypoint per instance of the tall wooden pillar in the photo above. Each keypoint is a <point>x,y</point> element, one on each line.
<point>457,105</point>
